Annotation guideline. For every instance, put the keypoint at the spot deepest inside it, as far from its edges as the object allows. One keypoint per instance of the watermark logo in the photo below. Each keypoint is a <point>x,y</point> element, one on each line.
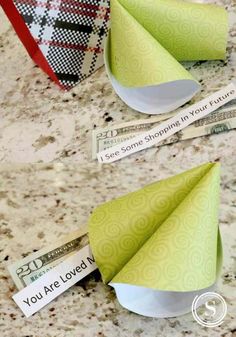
<point>209,309</point>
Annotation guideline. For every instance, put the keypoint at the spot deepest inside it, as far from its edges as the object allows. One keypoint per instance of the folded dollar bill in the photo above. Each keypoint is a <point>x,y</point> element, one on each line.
<point>33,266</point>
<point>223,119</point>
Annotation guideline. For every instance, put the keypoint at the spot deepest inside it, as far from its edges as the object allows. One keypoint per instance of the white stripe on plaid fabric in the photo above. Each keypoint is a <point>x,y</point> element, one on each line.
<point>70,33</point>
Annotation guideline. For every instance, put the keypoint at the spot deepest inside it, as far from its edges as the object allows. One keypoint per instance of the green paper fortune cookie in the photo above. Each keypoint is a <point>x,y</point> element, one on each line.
<point>160,246</point>
<point>147,39</point>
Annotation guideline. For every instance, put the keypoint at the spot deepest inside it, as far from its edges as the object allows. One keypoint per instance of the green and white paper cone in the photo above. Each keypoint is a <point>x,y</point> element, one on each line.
<point>160,246</point>
<point>147,40</point>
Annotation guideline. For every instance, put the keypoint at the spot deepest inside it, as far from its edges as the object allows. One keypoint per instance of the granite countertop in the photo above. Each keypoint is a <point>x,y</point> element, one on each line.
<point>34,111</point>
<point>42,202</point>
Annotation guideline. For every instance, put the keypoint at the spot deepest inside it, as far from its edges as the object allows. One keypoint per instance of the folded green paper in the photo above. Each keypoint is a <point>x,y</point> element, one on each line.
<point>148,38</point>
<point>161,243</point>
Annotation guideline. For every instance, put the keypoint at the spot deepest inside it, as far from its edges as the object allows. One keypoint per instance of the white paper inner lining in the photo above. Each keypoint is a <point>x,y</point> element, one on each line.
<point>155,99</point>
<point>156,303</point>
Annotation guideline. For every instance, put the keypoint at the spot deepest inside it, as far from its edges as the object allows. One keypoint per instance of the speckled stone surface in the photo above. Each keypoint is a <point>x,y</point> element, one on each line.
<point>42,202</point>
<point>33,110</point>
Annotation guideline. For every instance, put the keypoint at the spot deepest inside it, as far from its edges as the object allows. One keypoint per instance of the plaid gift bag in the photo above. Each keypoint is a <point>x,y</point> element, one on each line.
<point>64,37</point>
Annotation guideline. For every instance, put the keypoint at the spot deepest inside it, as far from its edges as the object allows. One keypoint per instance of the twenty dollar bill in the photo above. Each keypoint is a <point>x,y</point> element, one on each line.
<point>223,119</point>
<point>30,268</point>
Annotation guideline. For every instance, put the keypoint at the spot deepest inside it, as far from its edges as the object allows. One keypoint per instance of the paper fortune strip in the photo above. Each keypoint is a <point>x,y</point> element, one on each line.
<point>170,126</point>
<point>146,41</point>
<point>160,246</point>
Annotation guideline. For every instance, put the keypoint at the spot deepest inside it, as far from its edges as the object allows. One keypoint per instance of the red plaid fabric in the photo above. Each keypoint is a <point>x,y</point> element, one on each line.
<point>69,33</point>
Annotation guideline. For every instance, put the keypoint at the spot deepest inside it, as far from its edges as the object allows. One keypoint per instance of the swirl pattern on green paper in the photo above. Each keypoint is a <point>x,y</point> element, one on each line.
<point>163,236</point>
<point>149,37</point>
